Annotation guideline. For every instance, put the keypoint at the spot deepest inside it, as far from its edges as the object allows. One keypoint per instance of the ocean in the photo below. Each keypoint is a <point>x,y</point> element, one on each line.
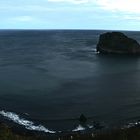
<point>48,78</point>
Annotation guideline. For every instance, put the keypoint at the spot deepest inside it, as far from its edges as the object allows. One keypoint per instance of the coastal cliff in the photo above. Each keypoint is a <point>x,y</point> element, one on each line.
<point>117,43</point>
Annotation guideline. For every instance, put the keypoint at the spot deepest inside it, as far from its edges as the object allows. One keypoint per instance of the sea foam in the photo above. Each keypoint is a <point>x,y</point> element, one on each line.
<point>28,124</point>
<point>79,128</point>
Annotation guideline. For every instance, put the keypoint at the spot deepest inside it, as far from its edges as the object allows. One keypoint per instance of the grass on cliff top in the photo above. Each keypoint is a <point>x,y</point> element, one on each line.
<point>6,133</point>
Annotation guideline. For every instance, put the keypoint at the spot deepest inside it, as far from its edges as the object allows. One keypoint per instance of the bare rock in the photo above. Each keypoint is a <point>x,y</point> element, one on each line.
<point>117,43</point>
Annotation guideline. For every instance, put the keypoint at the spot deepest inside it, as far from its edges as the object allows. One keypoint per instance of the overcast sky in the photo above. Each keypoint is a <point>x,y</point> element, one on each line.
<point>70,14</point>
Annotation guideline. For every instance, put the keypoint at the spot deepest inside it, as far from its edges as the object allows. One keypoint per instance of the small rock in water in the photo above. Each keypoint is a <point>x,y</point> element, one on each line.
<point>82,119</point>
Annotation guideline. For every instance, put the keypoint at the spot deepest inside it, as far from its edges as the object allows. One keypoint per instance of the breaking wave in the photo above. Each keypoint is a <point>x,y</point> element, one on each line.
<point>31,125</point>
<point>28,124</point>
<point>79,128</point>
<point>132,124</point>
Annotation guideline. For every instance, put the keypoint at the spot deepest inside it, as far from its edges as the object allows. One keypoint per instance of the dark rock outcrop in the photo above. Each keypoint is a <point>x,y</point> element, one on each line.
<point>117,43</point>
<point>82,119</point>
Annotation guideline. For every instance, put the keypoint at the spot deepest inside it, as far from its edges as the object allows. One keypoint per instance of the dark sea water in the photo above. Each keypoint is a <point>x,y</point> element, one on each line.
<point>51,77</point>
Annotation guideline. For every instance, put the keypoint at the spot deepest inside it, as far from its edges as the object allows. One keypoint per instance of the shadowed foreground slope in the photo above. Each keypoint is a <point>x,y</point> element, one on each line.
<point>6,133</point>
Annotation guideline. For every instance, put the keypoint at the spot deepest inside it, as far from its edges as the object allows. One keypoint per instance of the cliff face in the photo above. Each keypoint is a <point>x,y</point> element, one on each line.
<point>117,43</point>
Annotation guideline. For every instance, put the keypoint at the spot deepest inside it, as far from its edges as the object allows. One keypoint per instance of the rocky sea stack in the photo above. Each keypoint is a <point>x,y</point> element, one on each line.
<point>117,43</point>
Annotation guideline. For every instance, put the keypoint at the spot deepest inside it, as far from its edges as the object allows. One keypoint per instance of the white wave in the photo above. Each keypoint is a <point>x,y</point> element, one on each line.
<point>79,128</point>
<point>132,124</point>
<point>28,124</point>
<point>90,126</point>
<point>95,51</point>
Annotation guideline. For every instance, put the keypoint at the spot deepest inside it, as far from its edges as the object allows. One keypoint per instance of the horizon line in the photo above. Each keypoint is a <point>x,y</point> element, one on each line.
<point>68,29</point>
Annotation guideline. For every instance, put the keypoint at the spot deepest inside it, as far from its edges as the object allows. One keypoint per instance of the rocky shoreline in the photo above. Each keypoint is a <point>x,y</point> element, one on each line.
<point>10,130</point>
<point>131,132</point>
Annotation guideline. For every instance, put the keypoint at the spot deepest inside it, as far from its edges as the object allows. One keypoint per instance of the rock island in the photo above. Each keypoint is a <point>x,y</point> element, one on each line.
<point>117,43</point>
